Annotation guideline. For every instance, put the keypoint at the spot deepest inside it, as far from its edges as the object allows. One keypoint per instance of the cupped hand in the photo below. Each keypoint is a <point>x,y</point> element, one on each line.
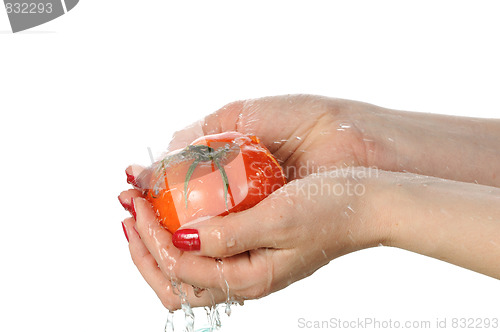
<point>284,238</point>
<point>305,133</point>
<point>287,236</point>
<point>295,231</point>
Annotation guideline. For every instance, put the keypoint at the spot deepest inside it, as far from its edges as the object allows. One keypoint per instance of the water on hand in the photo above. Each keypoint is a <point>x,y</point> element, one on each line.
<point>212,311</point>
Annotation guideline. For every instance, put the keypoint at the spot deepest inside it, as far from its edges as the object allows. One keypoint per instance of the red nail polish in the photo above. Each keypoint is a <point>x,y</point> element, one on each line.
<point>125,205</point>
<point>132,208</point>
<point>131,179</point>
<point>136,231</point>
<point>125,231</point>
<point>186,239</point>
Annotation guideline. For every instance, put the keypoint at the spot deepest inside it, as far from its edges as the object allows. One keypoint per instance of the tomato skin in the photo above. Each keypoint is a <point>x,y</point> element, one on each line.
<point>252,174</point>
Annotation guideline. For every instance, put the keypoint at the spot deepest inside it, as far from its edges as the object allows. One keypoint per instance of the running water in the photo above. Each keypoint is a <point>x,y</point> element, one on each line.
<point>186,307</point>
<point>229,300</point>
<point>169,326</point>
<point>212,311</point>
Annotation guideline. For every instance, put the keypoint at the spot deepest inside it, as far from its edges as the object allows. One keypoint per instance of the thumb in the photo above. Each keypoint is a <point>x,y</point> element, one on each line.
<point>235,233</point>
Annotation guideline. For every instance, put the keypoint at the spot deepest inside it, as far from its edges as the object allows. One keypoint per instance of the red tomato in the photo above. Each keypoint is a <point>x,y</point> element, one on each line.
<point>215,175</point>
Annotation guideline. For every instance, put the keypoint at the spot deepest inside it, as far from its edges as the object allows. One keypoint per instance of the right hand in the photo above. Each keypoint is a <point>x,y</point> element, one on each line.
<point>286,237</point>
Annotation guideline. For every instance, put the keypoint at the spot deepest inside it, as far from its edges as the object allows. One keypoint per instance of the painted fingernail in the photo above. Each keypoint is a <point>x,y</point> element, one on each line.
<point>125,231</point>
<point>125,205</point>
<point>186,239</point>
<point>136,231</point>
<point>130,179</point>
<point>132,208</point>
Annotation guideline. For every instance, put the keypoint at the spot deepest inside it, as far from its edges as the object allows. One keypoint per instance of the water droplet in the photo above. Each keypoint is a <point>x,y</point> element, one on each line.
<point>231,242</point>
<point>324,254</point>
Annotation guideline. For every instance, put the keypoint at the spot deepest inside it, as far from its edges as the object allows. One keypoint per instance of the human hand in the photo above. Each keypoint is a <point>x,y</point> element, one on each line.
<point>305,133</point>
<point>284,238</point>
<point>309,134</point>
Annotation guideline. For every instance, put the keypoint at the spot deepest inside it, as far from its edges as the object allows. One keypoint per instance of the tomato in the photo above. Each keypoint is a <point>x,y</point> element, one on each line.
<point>213,176</point>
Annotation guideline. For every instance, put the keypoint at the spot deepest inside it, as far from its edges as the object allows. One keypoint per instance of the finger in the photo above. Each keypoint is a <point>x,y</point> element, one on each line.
<point>258,227</point>
<point>133,172</point>
<point>155,237</point>
<point>184,137</point>
<point>147,266</point>
<point>225,119</point>
<point>126,198</point>
<point>162,286</point>
<point>295,115</point>
<point>192,269</point>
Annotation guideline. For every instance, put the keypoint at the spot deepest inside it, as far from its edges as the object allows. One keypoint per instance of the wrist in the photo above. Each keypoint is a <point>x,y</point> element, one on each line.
<point>368,225</point>
<point>422,143</point>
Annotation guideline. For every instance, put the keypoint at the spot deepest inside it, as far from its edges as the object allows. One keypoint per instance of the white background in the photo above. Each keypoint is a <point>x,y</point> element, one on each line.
<point>85,95</point>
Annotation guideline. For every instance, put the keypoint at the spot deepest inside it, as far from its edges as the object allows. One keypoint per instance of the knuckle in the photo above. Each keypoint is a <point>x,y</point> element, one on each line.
<point>281,208</point>
<point>235,106</point>
<point>136,259</point>
<point>261,284</point>
<point>256,291</point>
<point>169,302</point>
<point>222,240</point>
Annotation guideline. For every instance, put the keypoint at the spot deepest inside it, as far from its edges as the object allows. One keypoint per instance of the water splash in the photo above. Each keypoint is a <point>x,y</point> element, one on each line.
<point>220,268</point>
<point>343,126</point>
<point>230,300</point>
<point>169,326</point>
<point>185,306</point>
<point>213,315</point>
<point>212,311</point>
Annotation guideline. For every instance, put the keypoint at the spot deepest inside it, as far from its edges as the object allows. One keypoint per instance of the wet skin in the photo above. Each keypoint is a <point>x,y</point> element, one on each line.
<point>417,200</point>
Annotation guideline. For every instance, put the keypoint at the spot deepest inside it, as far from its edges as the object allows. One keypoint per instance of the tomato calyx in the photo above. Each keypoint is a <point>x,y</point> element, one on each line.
<point>198,154</point>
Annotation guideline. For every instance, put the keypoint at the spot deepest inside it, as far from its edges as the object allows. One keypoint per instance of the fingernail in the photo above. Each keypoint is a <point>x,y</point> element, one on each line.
<point>130,179</point>
<point>125,231</point>
<point>129,207</point>
<point>186,239</point>
<point>132,208</point>
<point>125,205</point>
<point>136,231</point>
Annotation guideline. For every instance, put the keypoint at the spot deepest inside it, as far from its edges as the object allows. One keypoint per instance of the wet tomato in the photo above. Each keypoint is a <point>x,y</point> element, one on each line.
<point>214,175</point>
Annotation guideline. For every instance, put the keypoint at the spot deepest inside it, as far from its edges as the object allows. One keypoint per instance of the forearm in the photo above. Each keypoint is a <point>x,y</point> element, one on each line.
<point>451,221</point>
<point>451,147</point>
